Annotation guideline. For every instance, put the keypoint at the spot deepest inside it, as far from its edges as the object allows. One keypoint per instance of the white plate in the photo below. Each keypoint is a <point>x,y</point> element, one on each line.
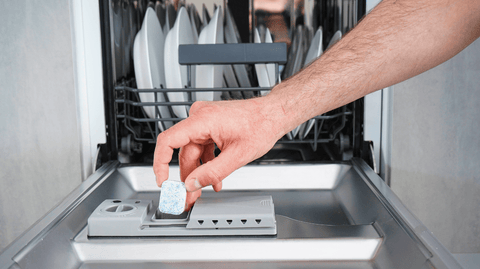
<point>175,74</point>
<point>335,38</point>
<point>261,69</point>
<point>315,51</point>
<point>297,65</point>
<point>231,81</point>
<point>231,32</point>
<point>161,14</point>
<point>210,76</point>
<point>205,16</point>
<point>148,64</point>
<point>226,95</point>
<point>263,76</point>
<point>316,47</point>
<point>193,20</point>
<point>233,37</point>
<point>288,70</point>
<point>170,17</point>
<point>299,54</point>
<point>196,18</point>
<point>270,67</point>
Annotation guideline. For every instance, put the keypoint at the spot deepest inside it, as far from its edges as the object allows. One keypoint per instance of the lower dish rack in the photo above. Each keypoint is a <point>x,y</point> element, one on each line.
<point>327,128</point>
<point>139,131</point>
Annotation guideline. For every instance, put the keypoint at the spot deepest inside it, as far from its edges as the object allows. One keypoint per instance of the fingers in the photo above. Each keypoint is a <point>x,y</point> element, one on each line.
<point>208,155</point>
<point>191,198</point>
<point>189,159</point>
<point>214,171</point>
<point>176,136</point>
<point>217,187</point>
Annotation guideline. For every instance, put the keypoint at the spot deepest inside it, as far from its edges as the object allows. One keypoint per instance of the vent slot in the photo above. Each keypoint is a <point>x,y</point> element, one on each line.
<point>229,221</point>
<point>244,221</point>
<point>214,222</point>
<point>258,221</point>
<point>200,221</point>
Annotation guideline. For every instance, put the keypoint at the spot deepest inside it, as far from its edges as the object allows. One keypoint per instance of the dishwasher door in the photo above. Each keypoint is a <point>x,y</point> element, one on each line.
<point>329,215</point>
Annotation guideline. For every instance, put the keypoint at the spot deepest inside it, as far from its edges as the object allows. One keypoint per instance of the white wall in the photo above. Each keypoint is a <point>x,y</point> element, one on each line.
<point>39,149</point>
<point>436,149</point>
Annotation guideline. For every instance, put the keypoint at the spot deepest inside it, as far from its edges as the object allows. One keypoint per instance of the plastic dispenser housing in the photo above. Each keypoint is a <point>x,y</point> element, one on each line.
<point>242,215</point>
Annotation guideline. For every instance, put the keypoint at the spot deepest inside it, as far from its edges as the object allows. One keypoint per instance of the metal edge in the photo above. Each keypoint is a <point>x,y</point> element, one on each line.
<point>39,229</point>
<point>372,123</point>
<point>87,65</point>
<point>386,135</point>
<point>440,257</point>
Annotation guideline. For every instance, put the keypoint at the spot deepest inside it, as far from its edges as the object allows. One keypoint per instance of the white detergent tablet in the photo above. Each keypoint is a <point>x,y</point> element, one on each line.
<point>172,197</point>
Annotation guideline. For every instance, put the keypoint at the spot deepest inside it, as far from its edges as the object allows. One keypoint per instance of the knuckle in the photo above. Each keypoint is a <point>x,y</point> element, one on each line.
<point>196,106</point>
<point>213,176</point>
<point>156,170</point>
<point>183,157</point>
<point>161,138</point>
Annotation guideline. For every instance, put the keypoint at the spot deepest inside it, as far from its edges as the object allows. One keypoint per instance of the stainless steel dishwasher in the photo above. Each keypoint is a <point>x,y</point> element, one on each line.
<point>331,209</point>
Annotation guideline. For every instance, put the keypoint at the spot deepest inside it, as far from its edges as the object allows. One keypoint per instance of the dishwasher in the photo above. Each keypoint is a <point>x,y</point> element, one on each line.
<point>313,201</point>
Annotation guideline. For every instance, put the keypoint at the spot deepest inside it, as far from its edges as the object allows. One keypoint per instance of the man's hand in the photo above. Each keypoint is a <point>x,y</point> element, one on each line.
<point>243,130</point>
<point>397,40</point>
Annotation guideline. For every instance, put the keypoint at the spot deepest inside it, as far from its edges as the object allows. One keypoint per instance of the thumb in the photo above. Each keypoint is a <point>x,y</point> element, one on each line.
<point>213,172</point>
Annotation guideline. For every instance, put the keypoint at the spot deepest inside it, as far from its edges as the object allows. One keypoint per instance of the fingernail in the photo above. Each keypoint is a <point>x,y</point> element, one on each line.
<point>196,186</point>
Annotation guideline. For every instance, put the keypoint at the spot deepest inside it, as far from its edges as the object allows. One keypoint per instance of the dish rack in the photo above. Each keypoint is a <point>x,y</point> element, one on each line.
<point>141,131</point>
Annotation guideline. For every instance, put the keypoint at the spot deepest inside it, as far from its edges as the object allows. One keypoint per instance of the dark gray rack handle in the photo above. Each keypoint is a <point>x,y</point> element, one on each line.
<point>247,53</point>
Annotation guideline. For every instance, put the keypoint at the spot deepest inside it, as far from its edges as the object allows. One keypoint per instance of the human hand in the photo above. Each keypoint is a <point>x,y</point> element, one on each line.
<point>243,130</point>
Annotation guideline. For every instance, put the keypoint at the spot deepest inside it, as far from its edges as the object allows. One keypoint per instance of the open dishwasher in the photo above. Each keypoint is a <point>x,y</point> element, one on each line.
<point>330,209</point>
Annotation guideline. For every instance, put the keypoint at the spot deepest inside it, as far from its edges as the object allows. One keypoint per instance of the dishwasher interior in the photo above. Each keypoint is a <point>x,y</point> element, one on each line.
<point>337,215</point>
<point>331,210</point>
<point>333,136</point>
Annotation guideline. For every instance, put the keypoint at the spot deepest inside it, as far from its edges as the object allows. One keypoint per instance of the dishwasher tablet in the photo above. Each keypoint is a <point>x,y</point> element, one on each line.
<point>172,197</point>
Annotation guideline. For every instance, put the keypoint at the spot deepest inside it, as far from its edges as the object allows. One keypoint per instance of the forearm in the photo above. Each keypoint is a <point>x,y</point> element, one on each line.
<point>396,41</point>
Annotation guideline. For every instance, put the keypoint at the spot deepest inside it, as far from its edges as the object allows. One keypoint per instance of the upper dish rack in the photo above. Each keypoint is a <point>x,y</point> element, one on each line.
<point>327,128</point>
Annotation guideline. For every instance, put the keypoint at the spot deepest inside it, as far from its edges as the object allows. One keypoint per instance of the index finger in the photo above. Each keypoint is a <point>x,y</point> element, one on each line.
<point>176,136</point>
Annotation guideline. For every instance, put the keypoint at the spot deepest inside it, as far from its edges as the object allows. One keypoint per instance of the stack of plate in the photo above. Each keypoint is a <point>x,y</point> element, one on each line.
<point>156,58</point>
<point>156,63</point>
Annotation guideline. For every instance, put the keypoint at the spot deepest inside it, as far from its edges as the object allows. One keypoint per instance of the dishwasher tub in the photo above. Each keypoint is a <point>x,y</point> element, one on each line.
<point>329,215</point>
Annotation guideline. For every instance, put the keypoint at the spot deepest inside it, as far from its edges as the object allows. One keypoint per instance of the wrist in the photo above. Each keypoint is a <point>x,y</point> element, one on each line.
<point>276,108</point>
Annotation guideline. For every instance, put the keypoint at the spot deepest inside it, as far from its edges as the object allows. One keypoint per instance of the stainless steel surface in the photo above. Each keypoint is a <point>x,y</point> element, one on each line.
<point>360,218</point>
<point>378,117</point>
<point>312,242</point>
<point>440,257</point>
<point>386,135</point>
<point>468,260</point>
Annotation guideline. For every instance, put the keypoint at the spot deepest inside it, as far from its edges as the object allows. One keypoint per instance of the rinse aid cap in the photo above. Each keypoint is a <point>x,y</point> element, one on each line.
<point>173,196</point>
